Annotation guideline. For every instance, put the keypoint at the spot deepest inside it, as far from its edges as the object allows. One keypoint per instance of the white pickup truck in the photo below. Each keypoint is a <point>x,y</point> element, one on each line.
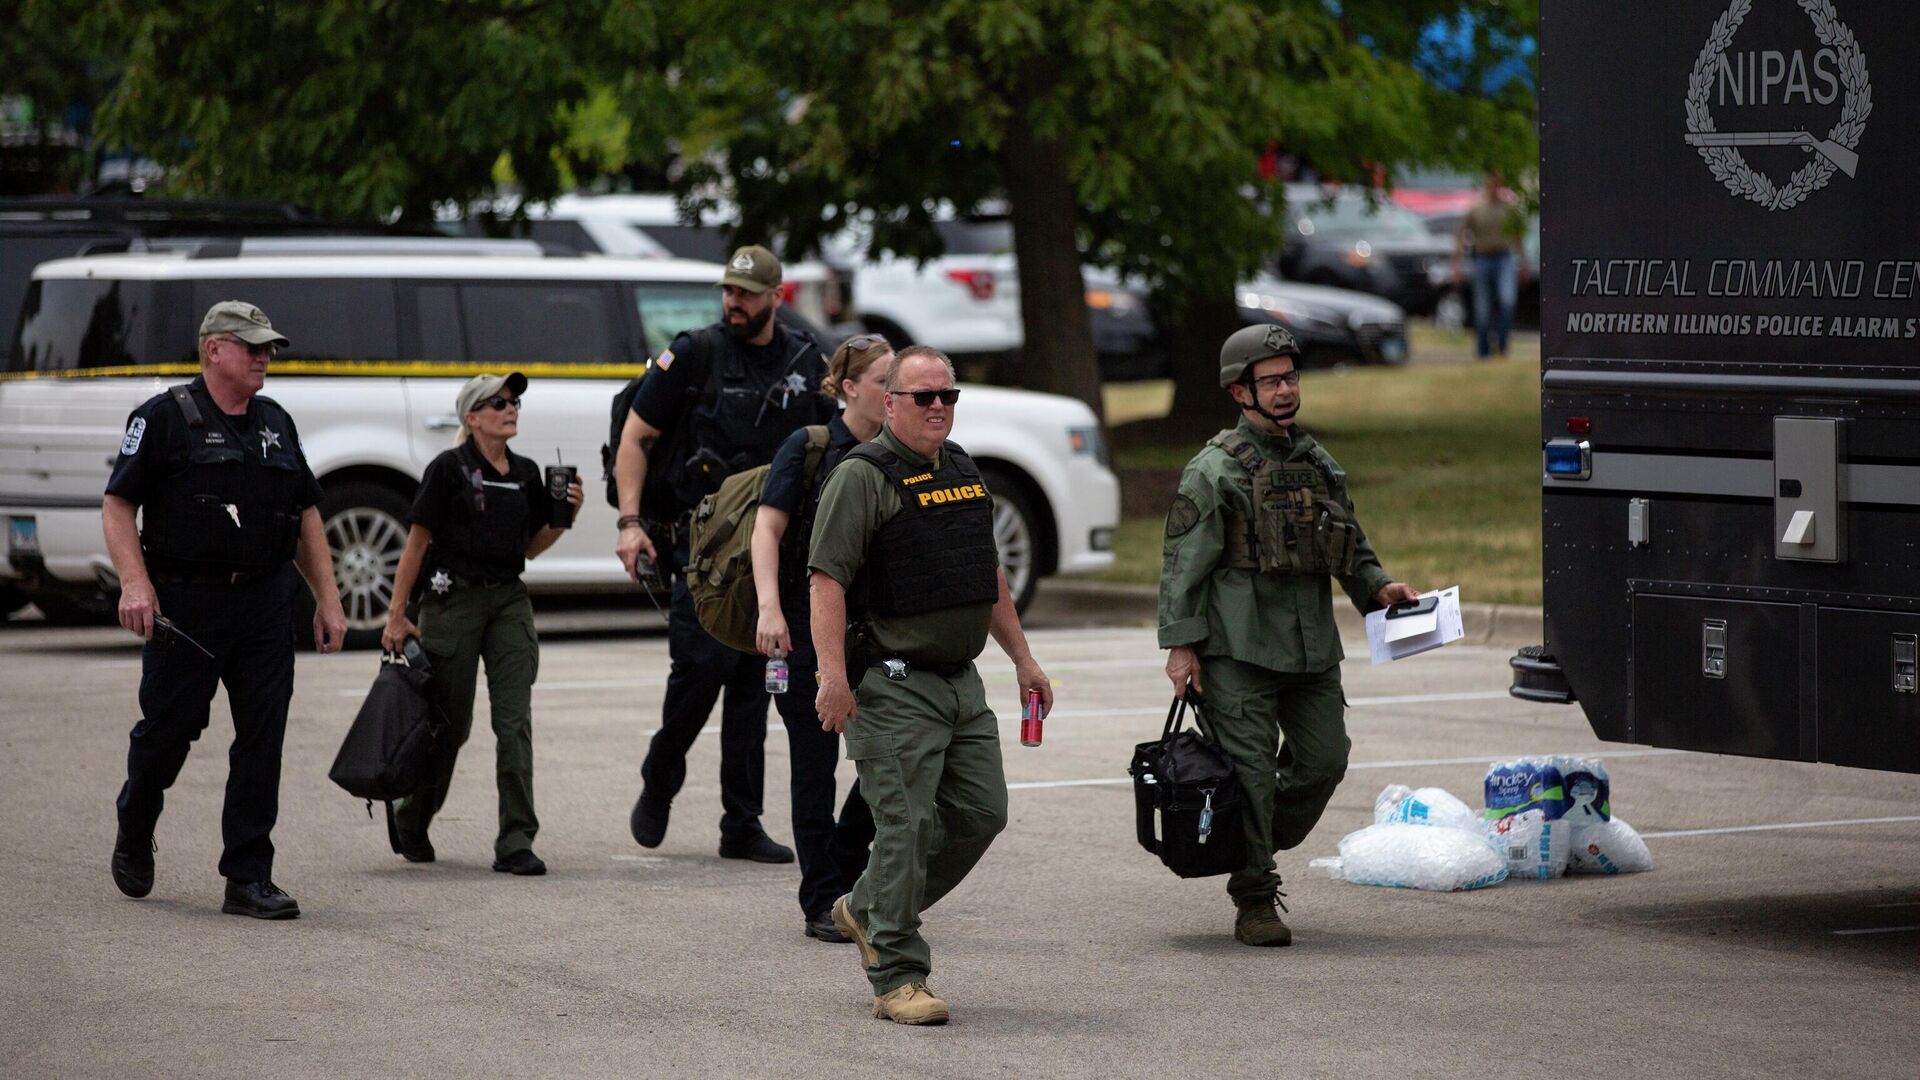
<point>382,341</point>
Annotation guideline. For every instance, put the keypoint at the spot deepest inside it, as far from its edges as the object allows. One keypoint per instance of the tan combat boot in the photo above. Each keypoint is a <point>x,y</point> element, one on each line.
<point>844,922</point>
<point>1259,924</point>
<point>910,1004</point>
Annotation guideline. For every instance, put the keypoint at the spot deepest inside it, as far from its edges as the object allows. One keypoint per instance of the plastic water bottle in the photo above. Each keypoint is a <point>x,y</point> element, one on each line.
<point>776,673</point>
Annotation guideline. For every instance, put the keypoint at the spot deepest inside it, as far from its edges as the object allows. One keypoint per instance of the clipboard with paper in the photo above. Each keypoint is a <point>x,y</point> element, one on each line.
<point>1405,630</point>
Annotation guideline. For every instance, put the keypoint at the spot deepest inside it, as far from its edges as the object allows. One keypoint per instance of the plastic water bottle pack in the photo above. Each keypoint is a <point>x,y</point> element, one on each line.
<point>1545,817</point>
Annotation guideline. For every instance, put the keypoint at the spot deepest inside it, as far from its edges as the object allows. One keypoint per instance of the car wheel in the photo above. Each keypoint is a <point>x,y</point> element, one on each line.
<point>1016,534</point>
<point>366,528</point>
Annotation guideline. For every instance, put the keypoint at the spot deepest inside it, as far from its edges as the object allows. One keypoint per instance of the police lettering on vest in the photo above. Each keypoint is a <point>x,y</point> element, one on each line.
<point>1298,525</point>
<point>938,551</point>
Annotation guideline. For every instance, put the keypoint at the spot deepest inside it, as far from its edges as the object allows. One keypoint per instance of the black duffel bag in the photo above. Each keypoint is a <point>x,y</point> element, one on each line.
<point>390,750</point>
<point>1187,801</point>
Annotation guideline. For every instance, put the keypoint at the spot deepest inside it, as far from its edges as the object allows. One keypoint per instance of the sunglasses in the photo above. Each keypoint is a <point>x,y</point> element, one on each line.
<point>925,398</point>
<point>864,342</point>
<point>499,401</point>
<point>268,349</point>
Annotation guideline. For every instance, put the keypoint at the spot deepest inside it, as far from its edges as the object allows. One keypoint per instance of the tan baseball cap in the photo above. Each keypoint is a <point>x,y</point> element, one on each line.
<point>481,387</point>
<point>242,320</point>
<point>752,268</point>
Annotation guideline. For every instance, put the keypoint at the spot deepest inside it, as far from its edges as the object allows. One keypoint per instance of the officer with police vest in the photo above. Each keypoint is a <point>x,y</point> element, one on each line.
<point>1260,527</point>
<point>719,400</point>
<point>903,550</point>
<point>228,510</point>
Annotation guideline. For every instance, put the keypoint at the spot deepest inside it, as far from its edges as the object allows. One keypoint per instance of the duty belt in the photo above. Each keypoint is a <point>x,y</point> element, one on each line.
<point>212,577</point>
<point>898,669</point>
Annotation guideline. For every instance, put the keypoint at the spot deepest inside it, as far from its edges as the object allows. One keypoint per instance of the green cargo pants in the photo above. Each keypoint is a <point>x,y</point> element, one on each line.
<point>1249,709</point>
<point>928,753</point>
<point>473,623</point>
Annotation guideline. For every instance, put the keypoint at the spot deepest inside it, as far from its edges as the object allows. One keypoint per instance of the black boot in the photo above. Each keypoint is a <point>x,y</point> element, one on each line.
<point>133,863</point>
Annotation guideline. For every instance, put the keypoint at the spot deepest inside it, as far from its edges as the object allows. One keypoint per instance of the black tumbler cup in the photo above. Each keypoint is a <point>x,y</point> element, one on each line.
<point>559,479</point>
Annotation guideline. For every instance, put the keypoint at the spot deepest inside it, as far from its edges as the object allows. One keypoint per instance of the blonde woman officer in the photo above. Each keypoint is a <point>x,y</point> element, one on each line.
<point>480,513</point>
<point>831,856</point>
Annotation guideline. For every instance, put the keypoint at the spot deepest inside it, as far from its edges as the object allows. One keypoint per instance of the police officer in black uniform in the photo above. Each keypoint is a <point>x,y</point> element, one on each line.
<point>719,400</point>
<point>229,508</point>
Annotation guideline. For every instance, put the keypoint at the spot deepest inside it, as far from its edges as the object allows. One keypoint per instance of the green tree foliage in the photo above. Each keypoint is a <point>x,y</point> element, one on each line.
<point>361,108</point>
<point>1126,132</point>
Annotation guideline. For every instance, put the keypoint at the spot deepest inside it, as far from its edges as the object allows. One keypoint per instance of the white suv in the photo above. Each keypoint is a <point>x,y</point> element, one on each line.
<point>382,343</point>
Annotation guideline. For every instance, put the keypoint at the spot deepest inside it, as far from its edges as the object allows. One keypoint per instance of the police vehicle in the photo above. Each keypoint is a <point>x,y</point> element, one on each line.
<point>1730,391</point>
<point>384,332</point>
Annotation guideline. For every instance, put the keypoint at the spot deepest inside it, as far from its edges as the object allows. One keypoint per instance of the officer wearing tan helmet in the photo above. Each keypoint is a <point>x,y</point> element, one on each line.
<point>1260,528</point>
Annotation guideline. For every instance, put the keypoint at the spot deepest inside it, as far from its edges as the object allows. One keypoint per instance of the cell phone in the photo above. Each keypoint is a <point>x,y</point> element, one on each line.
<point>1413,607</point>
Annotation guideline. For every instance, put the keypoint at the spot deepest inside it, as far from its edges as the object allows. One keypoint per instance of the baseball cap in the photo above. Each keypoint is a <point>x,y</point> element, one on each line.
<point>752,268</point>
<point>1252,344</point>
<point>242,320</point>
<point>481,387</point>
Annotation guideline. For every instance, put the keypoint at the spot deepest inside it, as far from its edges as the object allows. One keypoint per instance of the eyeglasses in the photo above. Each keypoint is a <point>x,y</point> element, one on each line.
<point>266,349</point>
<point>925,398</point>
<point>1267,384</point>
<point>499,401</point>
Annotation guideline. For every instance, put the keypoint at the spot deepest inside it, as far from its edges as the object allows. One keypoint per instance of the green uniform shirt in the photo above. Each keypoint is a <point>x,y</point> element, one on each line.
<point>1282,622</point>
<point>857,500</point>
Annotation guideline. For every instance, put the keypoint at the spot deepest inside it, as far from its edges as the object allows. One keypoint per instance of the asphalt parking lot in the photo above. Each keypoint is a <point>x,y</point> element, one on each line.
<point>1779,933</point>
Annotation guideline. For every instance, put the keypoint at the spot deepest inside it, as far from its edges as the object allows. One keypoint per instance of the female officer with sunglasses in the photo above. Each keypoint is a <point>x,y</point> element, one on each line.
<point>481,512</point>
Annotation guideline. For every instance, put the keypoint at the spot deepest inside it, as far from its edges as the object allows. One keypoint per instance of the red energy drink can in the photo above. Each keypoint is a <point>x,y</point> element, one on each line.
<point>1030,720</point>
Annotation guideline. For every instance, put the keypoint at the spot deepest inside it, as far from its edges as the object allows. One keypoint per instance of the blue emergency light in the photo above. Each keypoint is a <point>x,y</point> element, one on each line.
<point>1568,459</point>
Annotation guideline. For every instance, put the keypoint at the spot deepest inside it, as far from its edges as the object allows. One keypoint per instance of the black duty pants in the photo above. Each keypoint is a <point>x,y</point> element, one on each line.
<point>702,669</point>
<point>832,856</point>
<point>249,630</point>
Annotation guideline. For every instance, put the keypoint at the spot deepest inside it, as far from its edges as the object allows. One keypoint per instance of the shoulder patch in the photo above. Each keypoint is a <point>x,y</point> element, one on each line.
<point>136,431</point>
<point>1183,517</point>
<point>665,359</point>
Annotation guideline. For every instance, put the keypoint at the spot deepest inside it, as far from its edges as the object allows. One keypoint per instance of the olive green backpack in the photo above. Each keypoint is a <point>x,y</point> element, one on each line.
<point>720,549</point>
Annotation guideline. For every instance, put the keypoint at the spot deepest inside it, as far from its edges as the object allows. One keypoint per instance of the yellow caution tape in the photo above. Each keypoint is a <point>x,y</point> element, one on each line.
<point>366,368</point>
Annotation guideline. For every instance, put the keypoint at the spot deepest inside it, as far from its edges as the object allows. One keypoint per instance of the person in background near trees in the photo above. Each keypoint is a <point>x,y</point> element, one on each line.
<point>481,512</point>
<point>831,857</point>
<point>1491,235</point>
<point>1259,529</point>
<point>228,510</point>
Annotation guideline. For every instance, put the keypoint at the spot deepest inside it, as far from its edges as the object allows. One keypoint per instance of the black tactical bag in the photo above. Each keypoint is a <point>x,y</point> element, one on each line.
<point>1187,802</point>
<point>390,750</point>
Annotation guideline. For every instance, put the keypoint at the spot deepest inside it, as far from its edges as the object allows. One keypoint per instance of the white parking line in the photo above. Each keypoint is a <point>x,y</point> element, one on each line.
<point>1877,930</point>
<point>1780,825</point>
<point>1409,763</point>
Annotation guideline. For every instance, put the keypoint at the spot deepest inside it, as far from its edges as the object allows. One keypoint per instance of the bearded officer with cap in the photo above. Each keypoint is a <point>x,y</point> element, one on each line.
<point>1261,526</point>
<point>228,509</point>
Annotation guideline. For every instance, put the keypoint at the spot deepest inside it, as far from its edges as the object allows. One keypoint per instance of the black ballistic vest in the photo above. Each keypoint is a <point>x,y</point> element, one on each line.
<point>235,506</point>
<point>938,551</point>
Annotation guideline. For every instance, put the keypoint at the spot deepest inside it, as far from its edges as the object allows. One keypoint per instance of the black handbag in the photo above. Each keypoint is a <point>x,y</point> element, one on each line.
<point>1187,801</point>
<point>390,750</point>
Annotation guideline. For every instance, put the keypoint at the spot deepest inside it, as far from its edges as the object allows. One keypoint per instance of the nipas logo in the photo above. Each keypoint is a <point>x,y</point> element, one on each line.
<point>1839,69</point>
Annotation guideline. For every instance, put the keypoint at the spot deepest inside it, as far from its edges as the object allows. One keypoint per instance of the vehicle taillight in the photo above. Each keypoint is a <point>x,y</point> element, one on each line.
<point>977,282</point>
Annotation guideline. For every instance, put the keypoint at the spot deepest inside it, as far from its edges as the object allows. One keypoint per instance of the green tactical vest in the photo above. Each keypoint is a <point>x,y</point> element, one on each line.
<point>1298,527</point>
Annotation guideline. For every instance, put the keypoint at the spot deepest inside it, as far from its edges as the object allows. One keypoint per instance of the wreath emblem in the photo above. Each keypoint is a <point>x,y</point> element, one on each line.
<point>1720,151</point>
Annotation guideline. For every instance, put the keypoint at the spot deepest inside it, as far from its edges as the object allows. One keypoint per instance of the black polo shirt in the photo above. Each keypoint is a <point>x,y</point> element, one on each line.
<point>481,519</point>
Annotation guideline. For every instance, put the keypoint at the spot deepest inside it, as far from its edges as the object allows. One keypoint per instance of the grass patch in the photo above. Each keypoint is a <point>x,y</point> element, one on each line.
<point>1443,462</point>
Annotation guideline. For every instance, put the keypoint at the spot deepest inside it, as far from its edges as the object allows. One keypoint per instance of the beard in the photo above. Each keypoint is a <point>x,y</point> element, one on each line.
<point>750,329</point>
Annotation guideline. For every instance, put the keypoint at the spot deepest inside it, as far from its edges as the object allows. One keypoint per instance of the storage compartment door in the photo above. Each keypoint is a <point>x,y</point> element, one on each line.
<point>1869,703</point>
<point>1717,675</point>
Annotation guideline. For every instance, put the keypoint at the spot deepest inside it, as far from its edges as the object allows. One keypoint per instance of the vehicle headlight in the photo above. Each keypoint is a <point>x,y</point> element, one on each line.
<point>1086,442</point>
<point>1360,254</point>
